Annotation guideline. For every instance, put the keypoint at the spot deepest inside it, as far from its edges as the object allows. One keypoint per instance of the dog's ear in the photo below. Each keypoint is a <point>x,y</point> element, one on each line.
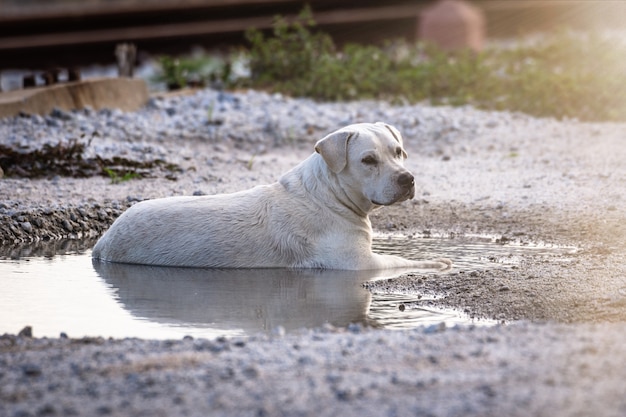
<point>396,135</point>
<point>334,149</point>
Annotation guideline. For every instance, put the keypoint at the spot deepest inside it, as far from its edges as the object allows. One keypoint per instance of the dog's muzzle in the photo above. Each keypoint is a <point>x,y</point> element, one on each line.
<point>404,190</point>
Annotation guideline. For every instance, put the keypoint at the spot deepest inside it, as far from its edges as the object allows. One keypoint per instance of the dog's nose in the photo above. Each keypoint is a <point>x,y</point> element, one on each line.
<point>406,180</point>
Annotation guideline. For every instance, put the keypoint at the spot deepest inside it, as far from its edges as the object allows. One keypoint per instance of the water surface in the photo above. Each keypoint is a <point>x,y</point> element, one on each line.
<point>58,288</point>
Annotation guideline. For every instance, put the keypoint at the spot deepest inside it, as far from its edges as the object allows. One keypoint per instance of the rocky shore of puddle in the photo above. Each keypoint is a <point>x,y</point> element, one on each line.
<point>558,350</point>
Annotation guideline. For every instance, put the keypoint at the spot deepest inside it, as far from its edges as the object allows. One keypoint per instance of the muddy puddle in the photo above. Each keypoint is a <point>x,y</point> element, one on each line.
<point>58,288</point>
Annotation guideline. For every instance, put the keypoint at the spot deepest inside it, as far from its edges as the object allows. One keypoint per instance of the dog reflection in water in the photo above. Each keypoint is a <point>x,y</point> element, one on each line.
<point>249,300</point>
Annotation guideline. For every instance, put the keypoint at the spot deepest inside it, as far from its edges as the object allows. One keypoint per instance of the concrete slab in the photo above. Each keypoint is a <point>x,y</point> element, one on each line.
<point>126,94</point>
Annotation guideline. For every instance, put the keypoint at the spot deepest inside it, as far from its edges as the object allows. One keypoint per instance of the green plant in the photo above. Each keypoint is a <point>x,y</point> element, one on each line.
<point>117,179</point>
<point>250,163</point>
<point>564,75</point>
<point>288,56</point>
<point>180,72</point>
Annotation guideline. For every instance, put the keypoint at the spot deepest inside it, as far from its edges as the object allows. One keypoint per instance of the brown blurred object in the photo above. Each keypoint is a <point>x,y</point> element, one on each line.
<point>51,76</point>
<point>452,25</point>
<point>29,81</point>
<point>48,78</point>
<point>73,74</point>
<point>126,55</point>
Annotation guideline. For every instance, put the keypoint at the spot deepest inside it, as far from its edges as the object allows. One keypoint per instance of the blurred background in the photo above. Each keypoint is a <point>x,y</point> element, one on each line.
<point>560,58</point>
<point>44,33</point>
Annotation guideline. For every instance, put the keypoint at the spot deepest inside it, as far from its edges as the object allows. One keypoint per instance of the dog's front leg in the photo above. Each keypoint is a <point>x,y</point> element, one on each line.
<point>391,261</point>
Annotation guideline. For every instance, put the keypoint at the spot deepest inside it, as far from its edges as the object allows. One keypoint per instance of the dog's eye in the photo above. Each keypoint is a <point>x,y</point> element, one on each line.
<point>399,152</point>
<point>369,160</point>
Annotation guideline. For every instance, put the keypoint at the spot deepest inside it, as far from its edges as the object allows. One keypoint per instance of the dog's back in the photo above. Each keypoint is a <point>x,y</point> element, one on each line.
<point>238,230</point>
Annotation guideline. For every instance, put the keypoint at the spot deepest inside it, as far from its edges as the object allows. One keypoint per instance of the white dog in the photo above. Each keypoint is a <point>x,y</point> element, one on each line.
<point>315,216</point>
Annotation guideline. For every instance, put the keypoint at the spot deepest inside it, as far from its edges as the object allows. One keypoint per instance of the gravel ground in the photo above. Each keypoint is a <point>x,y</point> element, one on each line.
<point>516,370</point>
<point>507,175</point>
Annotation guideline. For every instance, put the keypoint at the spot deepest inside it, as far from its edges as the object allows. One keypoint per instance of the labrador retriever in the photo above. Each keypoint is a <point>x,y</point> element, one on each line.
<point>315,216</point>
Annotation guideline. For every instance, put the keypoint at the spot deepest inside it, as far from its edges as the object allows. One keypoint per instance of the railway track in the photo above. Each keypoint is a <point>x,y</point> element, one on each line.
<point>79,36</point>
<point>48,36</point>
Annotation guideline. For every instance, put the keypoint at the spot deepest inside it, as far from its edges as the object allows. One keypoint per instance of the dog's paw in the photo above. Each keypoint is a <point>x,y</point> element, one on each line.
<point>446,263</point>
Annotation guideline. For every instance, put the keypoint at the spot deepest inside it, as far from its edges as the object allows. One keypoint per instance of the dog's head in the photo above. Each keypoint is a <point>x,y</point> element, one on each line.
<point>368,160</point>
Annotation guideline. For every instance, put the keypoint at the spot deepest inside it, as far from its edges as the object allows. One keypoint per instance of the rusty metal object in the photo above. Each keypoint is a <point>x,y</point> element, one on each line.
<point>453,25</point>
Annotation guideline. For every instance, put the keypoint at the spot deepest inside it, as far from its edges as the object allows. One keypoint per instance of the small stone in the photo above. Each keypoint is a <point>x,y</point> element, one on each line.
<point>27,331</point>
<point>279,331</point>
<point>27,227</point>
<point>60,114</point>
<point>47,410</point>
<point>104,410</point>
<point>30,369</point>
<point>102,215</point>
<point>306,360</point>
<point>226,373</point>
<point>251,372</point>
<point>52,122</point>
<point>435,328</point>
<point>355,328</point>
<point>67,225</point>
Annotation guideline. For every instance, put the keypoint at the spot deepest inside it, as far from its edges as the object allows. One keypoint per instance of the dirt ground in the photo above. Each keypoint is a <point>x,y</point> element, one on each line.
<point>586,286</point>
<point>560,351</point>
